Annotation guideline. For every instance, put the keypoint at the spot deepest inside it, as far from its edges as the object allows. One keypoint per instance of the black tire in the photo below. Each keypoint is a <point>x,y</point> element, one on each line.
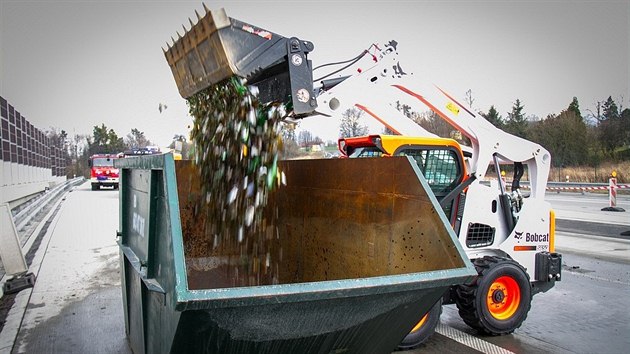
<point>421,334</point>
<point>95,186</point>
<point>498,300</point>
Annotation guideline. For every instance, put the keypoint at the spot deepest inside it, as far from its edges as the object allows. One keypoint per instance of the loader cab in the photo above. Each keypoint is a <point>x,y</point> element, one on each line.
<point>440,160</point>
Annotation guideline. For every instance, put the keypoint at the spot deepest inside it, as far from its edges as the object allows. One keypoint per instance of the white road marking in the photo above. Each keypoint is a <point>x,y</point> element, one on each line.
<point>470,341</point>
<point>595,277</point>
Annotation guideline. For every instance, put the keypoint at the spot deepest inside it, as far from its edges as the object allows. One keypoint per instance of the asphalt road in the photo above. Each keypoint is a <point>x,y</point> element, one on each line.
<point>76,305</point>
<point>587,207</point>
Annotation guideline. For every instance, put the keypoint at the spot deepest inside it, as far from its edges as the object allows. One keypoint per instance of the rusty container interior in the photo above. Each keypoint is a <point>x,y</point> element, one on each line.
<point>335,219</point>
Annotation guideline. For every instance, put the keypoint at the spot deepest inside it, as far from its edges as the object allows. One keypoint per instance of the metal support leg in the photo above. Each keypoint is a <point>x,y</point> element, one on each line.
<point>11,254</point>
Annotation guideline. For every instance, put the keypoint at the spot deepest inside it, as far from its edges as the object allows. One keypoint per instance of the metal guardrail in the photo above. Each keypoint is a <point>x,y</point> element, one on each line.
<point>24,216</point>
<point>583,185</point>
<point>574,186</point>
<point>14,245</point>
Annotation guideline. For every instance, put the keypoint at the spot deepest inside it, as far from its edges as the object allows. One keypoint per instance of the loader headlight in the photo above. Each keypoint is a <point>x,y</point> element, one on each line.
<point>334,104</point>
<point>303,95</point>
<point>296,59</point>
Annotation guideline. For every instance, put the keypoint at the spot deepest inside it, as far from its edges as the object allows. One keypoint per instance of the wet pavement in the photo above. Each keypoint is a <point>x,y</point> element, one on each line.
<point>76,304</point>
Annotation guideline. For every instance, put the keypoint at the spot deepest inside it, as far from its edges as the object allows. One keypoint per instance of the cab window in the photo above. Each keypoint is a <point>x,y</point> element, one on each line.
<point>440,168</point>
<point>103,162</point>
<point>366,152</point>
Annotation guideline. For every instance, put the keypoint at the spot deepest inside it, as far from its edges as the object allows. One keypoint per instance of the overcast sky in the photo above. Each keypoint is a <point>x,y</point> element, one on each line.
<point>74,64</point>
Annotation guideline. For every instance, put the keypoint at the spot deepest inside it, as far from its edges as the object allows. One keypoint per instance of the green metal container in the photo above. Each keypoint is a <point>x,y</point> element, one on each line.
<point>358,252</point>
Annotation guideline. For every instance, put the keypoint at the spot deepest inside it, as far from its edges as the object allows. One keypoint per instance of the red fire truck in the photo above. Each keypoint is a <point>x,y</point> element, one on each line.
<point>102,171</point>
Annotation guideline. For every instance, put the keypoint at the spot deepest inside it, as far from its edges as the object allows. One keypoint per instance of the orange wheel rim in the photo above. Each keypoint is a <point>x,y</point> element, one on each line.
<point>504,298</point>
<point>421,323</point>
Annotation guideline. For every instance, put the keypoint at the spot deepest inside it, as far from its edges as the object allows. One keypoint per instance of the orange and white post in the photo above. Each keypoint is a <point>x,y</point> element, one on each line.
<point>612,189</point>
<point>612,194</point>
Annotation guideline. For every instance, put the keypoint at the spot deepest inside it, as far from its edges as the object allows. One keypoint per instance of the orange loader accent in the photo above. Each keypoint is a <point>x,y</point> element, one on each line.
<point>421,323</point>
<point>504,298</point>
<point>552,231</point>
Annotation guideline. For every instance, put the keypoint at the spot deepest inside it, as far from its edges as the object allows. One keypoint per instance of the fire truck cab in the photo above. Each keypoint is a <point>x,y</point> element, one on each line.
<point>102,171</point>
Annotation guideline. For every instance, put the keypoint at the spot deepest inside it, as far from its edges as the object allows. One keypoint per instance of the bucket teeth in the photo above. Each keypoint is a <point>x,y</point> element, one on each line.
<point>206,53</point>
<point>168,47</point>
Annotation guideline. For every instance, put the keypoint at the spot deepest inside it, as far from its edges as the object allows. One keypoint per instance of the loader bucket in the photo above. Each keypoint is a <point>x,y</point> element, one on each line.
<point>218,47</point>
<point>357,252</point>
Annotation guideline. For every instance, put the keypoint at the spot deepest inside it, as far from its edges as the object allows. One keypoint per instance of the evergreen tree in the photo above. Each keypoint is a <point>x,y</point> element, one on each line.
<point>625,126</point>
<point>610,110</point>
<point>516,123</point>
<point>574,107</point>
<point>566,136</point>
<point>571,138</point>
<point>115,144</point>
<point>105,141</point>
<point>611,130</point>
<point>494,117</point>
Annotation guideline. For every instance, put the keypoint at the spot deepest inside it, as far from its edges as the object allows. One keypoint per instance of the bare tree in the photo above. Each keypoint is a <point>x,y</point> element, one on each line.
<point>305,138</point>
<point>79,155</point>
<point>620,103</point>
<point>182,145</point>
<point>469,98</point>
<point>287,130</point>
<point>597,115</point>
<point>136,139</point>
<point>388,131</point>
<point>430,121</point>
<point>351,124</point>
